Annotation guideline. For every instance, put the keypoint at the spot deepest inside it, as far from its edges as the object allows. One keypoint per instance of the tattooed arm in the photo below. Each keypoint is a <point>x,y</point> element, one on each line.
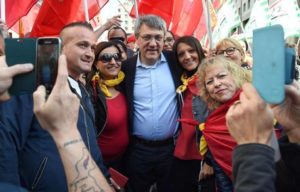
<point>58,115</point>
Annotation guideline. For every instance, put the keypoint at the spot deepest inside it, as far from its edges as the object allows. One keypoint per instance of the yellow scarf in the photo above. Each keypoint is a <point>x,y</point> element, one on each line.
<point>185,81</point>
<point>103,84</point>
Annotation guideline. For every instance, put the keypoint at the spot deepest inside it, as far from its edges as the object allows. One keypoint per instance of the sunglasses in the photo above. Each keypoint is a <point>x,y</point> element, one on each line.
<point>106,57</point>
<point>228,51</point>
<point>117,38</point>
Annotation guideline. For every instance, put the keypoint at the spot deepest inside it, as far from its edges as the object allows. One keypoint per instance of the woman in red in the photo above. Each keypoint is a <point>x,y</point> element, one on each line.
<point>110,104</point>
<point>187,159</point>
<point>220,81</point>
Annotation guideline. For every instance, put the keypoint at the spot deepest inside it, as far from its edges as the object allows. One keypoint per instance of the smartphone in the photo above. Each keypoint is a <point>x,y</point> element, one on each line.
<point>269,63</point>
<point>47,52</point>
<point>20,51</point>
<point>290,65</point>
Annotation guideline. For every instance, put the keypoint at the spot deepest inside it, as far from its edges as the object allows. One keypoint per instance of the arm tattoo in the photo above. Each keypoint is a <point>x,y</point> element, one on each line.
<point>85,180</point>
<point>72,142</point>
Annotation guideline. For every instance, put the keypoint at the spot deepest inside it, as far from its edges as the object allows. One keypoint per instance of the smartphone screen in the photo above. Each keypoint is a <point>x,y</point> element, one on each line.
<point>48,51</point>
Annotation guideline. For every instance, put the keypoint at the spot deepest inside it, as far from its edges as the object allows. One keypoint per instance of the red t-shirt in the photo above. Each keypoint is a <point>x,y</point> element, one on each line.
<point>114,139</point>
<point>186,147</point>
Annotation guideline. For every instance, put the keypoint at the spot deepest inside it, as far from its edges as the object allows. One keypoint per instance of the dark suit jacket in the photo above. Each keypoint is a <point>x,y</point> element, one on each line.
<point>129,68</point>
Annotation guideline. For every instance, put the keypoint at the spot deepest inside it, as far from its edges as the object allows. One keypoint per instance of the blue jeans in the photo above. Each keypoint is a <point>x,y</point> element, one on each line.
<point>147,165</point>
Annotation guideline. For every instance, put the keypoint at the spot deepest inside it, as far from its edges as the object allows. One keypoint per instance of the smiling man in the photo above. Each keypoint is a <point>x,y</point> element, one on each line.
<point>29,155</point>
<point>150,82</point>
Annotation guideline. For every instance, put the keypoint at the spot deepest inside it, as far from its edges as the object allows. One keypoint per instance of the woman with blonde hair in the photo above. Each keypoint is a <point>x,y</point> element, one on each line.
<point>232,49</point>
<point>220,82</point>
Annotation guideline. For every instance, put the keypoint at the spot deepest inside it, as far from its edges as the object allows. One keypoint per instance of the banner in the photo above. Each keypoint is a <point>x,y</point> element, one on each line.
<point>260,17</point>
<point>228,18</point>
<point>287,14</point>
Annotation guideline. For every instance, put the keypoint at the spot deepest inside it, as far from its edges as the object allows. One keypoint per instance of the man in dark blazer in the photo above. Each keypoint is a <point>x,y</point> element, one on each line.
<point>150,82</point>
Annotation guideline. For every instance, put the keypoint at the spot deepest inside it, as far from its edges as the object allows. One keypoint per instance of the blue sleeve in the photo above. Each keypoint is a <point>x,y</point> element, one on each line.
<point>15,119</point>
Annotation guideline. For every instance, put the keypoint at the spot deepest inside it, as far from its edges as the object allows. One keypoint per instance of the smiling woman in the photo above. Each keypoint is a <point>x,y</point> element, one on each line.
<point>220,82</point>
<point>109,103</point>
<point>219,79</point>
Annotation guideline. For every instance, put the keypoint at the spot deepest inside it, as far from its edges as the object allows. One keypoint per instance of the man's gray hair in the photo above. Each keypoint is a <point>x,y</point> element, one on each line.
<point>152,21</point>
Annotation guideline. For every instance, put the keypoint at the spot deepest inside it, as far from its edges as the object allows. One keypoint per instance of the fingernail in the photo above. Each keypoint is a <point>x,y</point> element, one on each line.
<point>28,66</point>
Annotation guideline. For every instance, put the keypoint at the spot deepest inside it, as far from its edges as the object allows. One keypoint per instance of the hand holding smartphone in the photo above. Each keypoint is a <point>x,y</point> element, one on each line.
<point>48,51</point>
<point>43,53</point>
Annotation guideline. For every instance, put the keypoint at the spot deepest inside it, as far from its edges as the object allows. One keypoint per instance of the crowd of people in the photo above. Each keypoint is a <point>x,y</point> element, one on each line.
<point>171,116</point>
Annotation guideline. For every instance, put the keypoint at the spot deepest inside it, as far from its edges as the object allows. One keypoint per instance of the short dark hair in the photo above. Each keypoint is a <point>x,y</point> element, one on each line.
<point>78,24</point>
<point>172,34</point>
<point>116,28</point>
<point>152,21</point>
<point>118,42</point>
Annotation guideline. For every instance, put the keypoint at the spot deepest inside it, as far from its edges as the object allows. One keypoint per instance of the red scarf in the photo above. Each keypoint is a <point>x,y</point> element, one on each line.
<point>218,138</point>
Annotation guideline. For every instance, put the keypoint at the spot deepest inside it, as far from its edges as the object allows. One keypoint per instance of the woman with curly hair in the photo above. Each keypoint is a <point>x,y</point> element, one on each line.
<point>220,82</point>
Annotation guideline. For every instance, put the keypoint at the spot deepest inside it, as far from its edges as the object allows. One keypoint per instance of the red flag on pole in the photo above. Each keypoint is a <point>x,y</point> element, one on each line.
<point>55,14</point>
<point>27,21</point>
<point>162,8</point>
<point>186,16</point>
<point>201,30</point>
<point>15,9</point>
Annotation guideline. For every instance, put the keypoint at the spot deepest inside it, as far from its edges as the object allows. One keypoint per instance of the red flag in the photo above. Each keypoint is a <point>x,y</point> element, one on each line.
<point>218,138</point>
<point>162,8</point>
<point>55,14</point>
<point>218,3</point>
<point>15,9</point>
<point>186,16</point>
<point>27,20</point>
<point>201,29</point>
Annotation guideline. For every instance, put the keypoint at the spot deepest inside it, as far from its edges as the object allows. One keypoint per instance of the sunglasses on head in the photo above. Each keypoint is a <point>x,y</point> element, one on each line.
<point>117,38</point>
<point>107,57</point>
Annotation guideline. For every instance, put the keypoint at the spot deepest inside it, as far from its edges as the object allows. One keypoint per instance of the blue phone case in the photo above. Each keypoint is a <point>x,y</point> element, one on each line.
<point>19,51</point>
<point>269,63</point>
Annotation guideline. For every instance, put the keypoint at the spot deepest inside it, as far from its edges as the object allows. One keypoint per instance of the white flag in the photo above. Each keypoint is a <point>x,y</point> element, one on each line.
<point>287,14</point>
<point>228,18</point>
<point>260,17</point>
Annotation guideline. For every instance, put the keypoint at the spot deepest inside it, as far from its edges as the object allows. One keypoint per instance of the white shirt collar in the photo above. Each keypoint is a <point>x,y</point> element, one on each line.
<point>74,84</point>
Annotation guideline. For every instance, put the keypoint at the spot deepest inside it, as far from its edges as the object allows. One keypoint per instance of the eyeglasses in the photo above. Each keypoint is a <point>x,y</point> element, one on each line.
<point>157,38</point>
<point>117,38</point>
<point>168,39</point>
<point>228,51</point>
<point>106,57</point>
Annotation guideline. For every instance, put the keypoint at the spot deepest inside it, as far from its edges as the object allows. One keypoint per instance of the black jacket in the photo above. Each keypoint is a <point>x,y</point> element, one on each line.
<point>129,68</point>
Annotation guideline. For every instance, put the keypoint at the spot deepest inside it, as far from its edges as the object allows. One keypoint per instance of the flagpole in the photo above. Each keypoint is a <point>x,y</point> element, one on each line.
<point>208,24</point>
<point>243,31</point>
<point>136,9</point>
<point>3,10</point>
<point>86,11</point>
